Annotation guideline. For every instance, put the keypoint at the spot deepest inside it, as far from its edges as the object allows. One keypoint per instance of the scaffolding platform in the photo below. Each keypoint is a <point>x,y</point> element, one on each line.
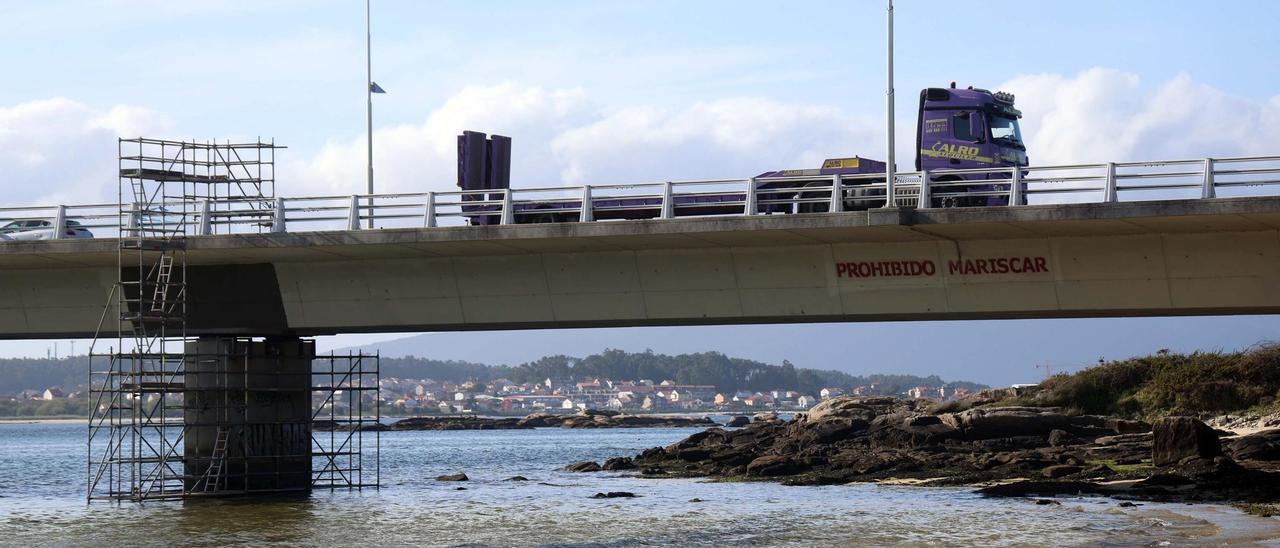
<point>174,415</point>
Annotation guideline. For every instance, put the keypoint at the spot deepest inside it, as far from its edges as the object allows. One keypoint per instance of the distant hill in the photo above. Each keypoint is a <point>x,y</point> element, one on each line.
<point>726,373</point>
<point>18,374</point>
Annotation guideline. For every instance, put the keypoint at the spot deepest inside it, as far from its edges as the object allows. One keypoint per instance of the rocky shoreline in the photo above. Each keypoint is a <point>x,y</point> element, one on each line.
<point>584,419</point>
<point>1005,451</point>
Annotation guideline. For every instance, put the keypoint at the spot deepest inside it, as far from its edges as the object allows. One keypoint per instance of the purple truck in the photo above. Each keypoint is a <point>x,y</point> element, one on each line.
<point>956,129</point>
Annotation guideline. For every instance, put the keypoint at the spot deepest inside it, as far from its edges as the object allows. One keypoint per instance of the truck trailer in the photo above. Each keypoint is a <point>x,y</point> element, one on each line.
<point>957,129</point>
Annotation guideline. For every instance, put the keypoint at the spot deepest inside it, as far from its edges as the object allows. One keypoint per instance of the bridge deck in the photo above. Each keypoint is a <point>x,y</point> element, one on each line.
<point>876,226</point>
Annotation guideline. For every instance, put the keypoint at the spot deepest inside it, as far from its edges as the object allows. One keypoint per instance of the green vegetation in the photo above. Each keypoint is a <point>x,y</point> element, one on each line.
<point>1200,383</point>
<point>1139,470</point>
<point>37,408</point>
<point>727,374</point>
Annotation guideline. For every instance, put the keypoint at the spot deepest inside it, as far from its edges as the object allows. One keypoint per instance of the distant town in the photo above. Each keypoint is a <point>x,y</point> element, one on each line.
<point>501,396</point>
<point>615,380</point>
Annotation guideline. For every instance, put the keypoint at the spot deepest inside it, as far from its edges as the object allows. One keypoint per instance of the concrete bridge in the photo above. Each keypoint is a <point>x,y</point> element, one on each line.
<point>1156,258</point>
<point>238,369</point>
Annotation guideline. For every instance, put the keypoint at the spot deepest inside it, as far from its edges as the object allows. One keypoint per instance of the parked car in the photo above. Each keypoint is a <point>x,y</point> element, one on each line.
<point>40,229</point>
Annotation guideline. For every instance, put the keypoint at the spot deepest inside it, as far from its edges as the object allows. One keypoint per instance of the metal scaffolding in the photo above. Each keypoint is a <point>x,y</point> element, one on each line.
<point>174,415</point>
<point>347,407</point>
<point>162,173</point>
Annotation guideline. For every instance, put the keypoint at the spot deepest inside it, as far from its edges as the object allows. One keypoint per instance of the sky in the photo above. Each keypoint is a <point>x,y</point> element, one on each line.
<point>600,92</point>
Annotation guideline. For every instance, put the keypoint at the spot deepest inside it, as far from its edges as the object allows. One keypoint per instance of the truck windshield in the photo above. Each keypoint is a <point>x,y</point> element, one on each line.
<point>1004,128</point>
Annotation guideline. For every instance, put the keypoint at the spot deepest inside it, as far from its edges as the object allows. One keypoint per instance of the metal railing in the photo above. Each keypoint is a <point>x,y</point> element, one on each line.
<point>1098,183</point>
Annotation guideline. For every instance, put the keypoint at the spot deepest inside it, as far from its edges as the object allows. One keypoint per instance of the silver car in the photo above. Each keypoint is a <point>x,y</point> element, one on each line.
<point>40,229</point>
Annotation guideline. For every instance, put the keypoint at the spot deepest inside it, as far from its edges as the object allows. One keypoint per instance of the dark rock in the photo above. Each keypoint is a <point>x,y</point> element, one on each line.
<point>517,478</point>
<point>584,466</point>
<point>845,407</point>
<point>1014,443</point>
<point>1165,479</point>
<point>614,495</point>
<point>1090,421</point>
<point>710,436</point>
<point>459,488</point>
<point>1061,438</point>
<point>540,420</point>
<point>1143,437</point>
<point>1126,504</point>
<point>1060,470</point>
<point>864,462</point>
<point>1098,471</point>
<point>1264,446</point>
<point>911,432</point>
<point>1124,426</point>
<point>453,477</point>
<point>769,417</point>
<point>1176,438</point>
<point>733,456</point>
<point>1046,502</point>
<point>1201,468</point>
<point>455,423</point>
<point>651,453</point>
<point>773,465</point>
<point>1004,422</point>
<point>828,430</point>
<point>693,454</point>
<point>619,463</point>
<point>738,421</point>
<point>695,499</point>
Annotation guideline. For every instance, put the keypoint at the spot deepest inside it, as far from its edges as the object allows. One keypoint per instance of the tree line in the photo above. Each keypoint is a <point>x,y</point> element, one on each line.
<point>707,368</point>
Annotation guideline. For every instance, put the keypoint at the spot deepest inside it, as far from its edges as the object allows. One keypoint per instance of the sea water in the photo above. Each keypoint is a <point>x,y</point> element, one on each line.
<point>42,482</point>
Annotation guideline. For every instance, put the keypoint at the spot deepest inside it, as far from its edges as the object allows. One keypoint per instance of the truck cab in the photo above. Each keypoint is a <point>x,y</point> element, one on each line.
<point>964,129</point>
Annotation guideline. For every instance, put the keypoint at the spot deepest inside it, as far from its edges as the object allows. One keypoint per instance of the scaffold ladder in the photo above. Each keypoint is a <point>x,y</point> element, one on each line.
<point>219,456</point>
<point>164,271</point>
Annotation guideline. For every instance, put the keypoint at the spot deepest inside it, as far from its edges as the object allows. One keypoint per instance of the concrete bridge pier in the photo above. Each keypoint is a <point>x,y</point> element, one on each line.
<point>247,415</point>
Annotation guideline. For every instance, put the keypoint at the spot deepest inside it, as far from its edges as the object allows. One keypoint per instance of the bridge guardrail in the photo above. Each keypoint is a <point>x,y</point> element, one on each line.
<point>1082,183</point>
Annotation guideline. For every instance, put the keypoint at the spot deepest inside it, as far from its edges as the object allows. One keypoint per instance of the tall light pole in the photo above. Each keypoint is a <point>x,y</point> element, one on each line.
<point>368,93</point>
<point>890,199</point>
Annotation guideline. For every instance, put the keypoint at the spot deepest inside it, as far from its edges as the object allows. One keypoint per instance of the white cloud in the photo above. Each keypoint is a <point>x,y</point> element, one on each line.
<point>734,137</point>
<point>1107,115</point>
<point>562,137</point>
<point>61,151</point>
<point>422,157</point>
